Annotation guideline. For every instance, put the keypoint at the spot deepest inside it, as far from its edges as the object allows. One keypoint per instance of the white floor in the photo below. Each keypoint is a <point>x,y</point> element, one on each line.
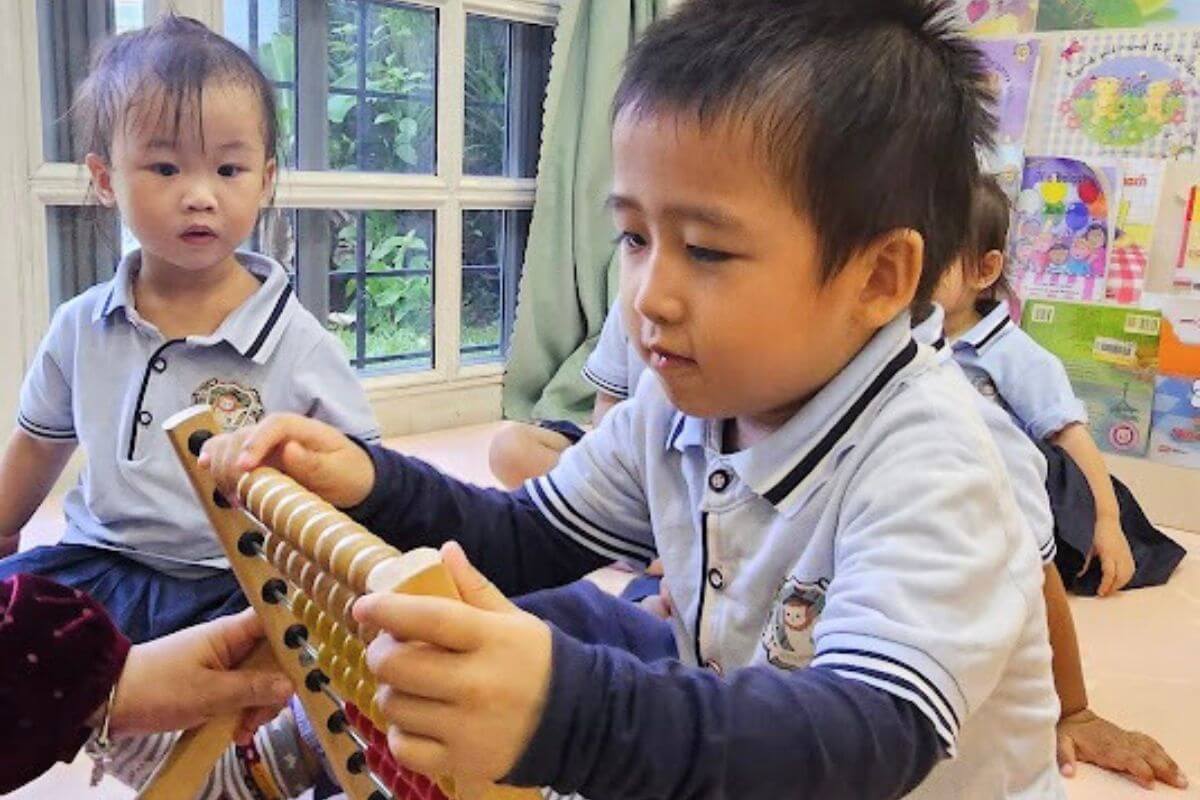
<point>1141,649</point>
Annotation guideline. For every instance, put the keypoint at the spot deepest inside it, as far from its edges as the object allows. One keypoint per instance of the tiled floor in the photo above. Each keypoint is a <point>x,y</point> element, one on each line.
<point>1141,650</point>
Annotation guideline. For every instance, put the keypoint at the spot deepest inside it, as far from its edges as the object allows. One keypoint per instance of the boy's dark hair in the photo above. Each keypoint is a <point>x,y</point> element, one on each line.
<point>174,57</point>
<point>869,110</point>
<point>987,229</point>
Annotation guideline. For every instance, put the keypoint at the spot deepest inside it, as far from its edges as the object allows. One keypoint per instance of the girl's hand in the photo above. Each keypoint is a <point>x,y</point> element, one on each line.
<point>185,679</point>
<point>320,458</point>
<point>1116,560</point>
<point>1088,737</point>
<point>463,684</point>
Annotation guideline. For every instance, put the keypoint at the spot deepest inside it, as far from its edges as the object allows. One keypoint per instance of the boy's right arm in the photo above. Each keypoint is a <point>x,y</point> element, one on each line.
<point>28,470</point>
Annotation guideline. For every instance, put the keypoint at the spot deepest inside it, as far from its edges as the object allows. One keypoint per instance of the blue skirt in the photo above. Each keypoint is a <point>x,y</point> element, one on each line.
<point>1155,555</point>
<point>143,602</point>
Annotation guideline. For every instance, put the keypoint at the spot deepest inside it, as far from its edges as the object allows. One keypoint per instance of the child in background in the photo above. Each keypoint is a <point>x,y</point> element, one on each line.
<point>521,451</point>
<point>181,131</point>
<point>796,448</point>
<point>1105,542</point>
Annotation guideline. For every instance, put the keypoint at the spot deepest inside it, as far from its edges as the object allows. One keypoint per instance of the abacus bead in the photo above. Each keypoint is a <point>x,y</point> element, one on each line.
<point>363,562</point>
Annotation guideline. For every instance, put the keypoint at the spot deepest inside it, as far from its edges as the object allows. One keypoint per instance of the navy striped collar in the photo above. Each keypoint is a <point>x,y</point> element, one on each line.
<point>995,323</point>
<point>778,468</point>
<point>253,328</point>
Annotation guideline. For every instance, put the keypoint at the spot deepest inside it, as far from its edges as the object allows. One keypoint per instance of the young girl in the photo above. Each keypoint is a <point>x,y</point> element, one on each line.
<point>1095,515</point>
<point>180,126</point>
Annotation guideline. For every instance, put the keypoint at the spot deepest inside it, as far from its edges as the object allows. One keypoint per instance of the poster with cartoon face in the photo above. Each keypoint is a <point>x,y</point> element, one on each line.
<point>1066,15</point>
<point>994,18</point>
<point>787,637</point>
<point>1061,229</point>
<point>1127,94</point>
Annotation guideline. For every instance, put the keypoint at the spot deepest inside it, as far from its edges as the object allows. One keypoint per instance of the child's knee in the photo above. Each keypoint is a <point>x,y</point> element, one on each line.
<point>520,451</point>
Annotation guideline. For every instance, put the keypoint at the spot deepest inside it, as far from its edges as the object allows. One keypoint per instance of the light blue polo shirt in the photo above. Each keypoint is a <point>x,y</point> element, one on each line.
<point>1028,381</point>
<point>614,367</point>
<point>875,534</point>
<point>107,379</point>
<point>1025,464</point>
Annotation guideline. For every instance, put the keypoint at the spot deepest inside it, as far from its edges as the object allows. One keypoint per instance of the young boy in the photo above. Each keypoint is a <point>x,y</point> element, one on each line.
<point>520,451</point>
<point>783,171</point>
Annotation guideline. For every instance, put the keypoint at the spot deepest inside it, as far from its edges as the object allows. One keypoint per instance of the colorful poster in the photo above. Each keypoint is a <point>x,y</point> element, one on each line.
<point>1126,94</point>
<point>1175,426</point>
<point>1061,229</point>
<point>999,17</point>
<point>1011,64</point>
<point>1006,162</point>
<point>1111,355</point>
<point>1133,232</point>
<point>1065,15</point>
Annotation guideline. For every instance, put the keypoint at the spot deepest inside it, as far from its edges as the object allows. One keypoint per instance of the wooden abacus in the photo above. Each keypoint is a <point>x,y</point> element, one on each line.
<point>302,564</point>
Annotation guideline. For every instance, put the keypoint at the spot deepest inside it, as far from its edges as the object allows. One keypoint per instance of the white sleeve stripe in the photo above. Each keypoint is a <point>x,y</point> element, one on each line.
<point>884,665</point>
<point>596,529</point>
<point>44,431</point>
<point>904,692</point>
<point>603,385</point>
<point>590,537</point>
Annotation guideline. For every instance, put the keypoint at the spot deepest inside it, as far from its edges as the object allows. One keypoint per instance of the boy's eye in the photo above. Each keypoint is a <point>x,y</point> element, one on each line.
<point>631,240</point>
<point>707,255</point>
<point>165,170</point>
<point>229,170</point>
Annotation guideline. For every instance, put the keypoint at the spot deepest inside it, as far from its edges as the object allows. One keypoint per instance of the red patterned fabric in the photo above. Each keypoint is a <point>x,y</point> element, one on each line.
<point>1126,274</point>
<point>59,657</point>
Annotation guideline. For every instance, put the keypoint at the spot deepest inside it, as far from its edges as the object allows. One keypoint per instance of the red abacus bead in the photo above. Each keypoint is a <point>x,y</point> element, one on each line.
<point>352,714</point>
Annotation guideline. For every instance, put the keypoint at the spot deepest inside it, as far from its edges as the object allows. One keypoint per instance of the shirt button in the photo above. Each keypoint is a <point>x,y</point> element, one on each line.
<point>159,365</point>
<point>716,578</point>
<point>714,667</point>
<point>718,480</point>
<point>145,417</point>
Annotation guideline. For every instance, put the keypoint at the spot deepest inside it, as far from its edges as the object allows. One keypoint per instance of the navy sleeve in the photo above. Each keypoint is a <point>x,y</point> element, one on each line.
<point>413,504</point>
<point>614,726</point>
<point>585,612</point>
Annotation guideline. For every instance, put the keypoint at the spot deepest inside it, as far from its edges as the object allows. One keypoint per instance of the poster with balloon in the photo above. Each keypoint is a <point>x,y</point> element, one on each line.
<point>1129,94</point>
<point>1062,229</point>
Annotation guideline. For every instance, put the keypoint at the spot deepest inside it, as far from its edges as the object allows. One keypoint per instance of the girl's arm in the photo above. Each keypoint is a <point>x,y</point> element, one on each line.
<point>1116,560</point>
<point>604,403</point>
<point>28,470</point>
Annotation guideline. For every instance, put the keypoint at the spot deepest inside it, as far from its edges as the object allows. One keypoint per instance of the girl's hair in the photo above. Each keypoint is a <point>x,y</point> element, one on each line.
<point>987,230</point>
<point>159,72</point>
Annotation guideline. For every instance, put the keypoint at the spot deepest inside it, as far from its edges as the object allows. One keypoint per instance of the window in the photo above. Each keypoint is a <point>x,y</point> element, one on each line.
<point>410,133</point>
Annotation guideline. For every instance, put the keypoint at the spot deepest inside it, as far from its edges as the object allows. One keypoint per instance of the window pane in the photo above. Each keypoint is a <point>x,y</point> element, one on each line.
<point>84,244</point>
<point>507,66</point>
<point>68,33</point>
<point>267,30</point>
<point>493,253</point>
<point>381,77</point>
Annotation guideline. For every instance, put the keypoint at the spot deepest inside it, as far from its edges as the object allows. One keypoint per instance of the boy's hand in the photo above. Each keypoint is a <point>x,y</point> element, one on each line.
<point>1116,559</point>
<point>1088,737</point>
<point>466,682</point>
<point>319,457</point>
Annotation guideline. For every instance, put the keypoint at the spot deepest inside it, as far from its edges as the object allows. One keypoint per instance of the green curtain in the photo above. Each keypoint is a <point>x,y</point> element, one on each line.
<point>569,277</point>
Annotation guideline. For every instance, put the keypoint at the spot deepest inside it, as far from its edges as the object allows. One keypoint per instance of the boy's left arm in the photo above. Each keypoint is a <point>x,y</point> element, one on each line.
<point>1082,734</point>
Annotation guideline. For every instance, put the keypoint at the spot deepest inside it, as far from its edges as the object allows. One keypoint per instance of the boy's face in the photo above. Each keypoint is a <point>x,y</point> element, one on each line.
<point>720,278</point>
<point>190,199</point>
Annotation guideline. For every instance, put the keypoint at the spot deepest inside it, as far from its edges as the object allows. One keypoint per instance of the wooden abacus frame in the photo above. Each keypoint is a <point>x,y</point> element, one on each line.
<point>302,571</point>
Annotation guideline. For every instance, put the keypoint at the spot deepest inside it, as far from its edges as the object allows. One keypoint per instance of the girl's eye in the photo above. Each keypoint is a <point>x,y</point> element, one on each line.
<point>708,256</point>
<point>165,170</point>
<point>229,170</point>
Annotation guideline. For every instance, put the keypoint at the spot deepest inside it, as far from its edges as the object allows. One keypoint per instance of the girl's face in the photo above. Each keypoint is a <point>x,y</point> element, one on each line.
<point>954,293</point>
<point>192,198</point>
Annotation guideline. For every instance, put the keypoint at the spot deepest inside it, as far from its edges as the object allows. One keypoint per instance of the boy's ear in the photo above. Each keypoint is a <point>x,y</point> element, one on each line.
<point>892,267</point>
<point>990,268</point>
<point>101,180</point>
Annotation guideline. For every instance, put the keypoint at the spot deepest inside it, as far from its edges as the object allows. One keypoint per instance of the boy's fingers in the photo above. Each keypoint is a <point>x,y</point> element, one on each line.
<point>436,620</point>
<point>1066,755</point>
<point>235,636</point>
<point>412,667</point>
<point>413,715</point>
<point>232,691</point>
<point>1108,576</point>
<point>475,589</point>
<point>265,437</point>
<point>1163,765</point>
<point>427,756</point>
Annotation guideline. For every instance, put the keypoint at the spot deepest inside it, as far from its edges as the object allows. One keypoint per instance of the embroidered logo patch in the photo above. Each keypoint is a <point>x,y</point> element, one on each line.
<point>234,405</point>
<point>787,637</point>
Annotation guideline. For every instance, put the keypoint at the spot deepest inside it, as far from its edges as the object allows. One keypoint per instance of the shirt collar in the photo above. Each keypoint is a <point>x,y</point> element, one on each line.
<point>931,330</point>
<point>778,467</point>
<point>253,329</point>
<point>995,323</point>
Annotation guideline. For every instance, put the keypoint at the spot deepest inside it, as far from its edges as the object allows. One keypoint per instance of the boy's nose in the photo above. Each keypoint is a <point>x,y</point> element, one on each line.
<point>657,296</point>
<point>199,197</point>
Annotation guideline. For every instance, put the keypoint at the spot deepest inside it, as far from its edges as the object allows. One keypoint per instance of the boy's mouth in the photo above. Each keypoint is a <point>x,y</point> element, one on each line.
<point>663,359</point>
<point>198,234</point>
